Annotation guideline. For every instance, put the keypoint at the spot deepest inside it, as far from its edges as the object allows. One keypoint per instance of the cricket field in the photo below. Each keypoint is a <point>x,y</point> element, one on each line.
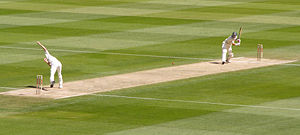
<point>100,38</point>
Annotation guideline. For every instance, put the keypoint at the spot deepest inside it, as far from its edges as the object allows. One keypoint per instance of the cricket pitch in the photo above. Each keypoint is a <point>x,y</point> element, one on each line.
<point>147,77</point>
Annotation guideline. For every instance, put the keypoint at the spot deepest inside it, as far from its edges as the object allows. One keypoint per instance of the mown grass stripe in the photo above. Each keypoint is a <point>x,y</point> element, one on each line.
<point>195,2</point>
<point>280,6</point>
<point>13,12</point>
<point>211,28</point>
<point>236,10</point>
<point>112,11</point>
<point>85,3</point>
<point>200,102</point>
<point>148,20</point>
<point>194,15</point>
<point>62,15</point>
<point>23,21</point>
<point>269,19</point>
<point>57,31</point>
<point>148,5</point>
<point>35,6</point>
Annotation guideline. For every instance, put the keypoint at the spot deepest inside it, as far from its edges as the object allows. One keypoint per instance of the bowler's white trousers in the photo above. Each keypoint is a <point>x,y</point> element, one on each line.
<point>55,66</point>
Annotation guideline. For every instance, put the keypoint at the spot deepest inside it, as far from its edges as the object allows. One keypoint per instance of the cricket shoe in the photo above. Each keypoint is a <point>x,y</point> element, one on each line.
<point>52,84</point>
<point>60,86</point>
<point>223,63</point>
<point>228,61</point>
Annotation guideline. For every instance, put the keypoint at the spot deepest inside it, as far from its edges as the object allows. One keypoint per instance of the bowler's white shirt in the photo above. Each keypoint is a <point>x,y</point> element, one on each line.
<point>52,60</point>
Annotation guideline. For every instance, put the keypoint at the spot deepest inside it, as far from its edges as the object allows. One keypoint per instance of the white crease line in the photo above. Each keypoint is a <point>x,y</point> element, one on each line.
<point>199,102</point>
<point>111,53</point>
<point>9,88</point>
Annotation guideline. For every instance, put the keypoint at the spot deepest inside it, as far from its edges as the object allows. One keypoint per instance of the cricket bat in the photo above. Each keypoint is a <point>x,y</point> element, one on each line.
<point>240,33</point>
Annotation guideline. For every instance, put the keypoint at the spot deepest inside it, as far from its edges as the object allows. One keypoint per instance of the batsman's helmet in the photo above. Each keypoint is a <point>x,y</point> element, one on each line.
<point>234,34</point>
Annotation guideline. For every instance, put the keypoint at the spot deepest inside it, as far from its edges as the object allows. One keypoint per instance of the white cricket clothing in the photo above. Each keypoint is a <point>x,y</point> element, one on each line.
<point>55,66</point>
<point>224,54</point>
<point>227,43</point>
<point>52,60</point>
<point>227,48</point>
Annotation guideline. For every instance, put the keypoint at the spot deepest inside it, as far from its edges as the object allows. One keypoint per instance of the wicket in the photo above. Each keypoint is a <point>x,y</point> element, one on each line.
<point>39,84</point>
<point>260,52</point>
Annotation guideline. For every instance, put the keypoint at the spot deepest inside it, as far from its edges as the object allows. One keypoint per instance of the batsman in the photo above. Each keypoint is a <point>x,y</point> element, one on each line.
<point>55,65</point>
<point>227,53</point>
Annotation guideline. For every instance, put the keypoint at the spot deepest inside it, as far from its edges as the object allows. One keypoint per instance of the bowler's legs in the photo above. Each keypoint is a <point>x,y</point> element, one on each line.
<point>52,73</point>
<point>59,68</point>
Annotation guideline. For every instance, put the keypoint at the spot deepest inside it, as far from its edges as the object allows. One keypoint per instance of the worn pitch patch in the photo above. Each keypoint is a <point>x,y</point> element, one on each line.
<point>128,80</point>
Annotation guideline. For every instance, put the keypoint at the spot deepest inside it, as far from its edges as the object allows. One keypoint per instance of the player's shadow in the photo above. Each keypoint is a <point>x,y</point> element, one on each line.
<point>215,62</point>
<point>30,86</point>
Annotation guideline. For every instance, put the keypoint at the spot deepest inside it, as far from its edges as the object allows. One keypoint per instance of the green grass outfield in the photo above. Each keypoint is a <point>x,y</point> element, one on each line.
<point>95,38</point>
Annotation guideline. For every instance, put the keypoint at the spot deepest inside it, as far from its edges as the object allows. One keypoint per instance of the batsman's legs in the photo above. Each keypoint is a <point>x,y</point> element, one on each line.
<point>230,55</point>
<point>224,55</point>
